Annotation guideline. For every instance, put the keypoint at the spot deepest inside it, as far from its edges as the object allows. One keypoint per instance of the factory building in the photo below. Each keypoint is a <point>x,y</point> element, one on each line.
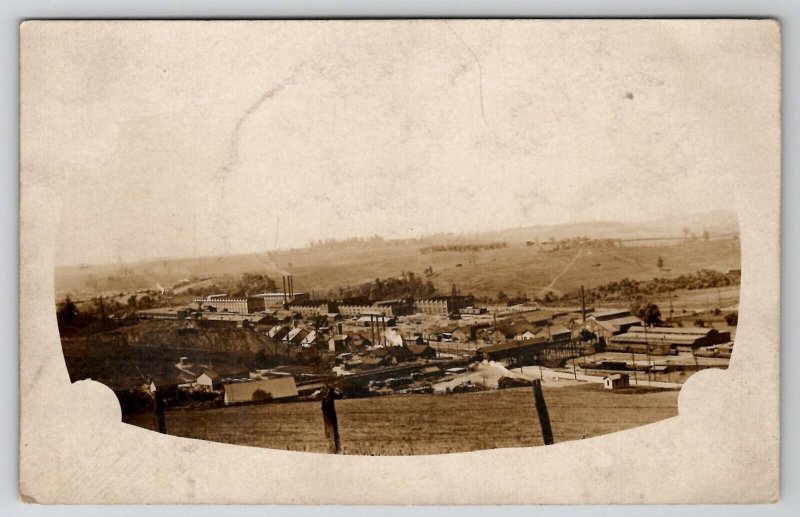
<point>443,305</point>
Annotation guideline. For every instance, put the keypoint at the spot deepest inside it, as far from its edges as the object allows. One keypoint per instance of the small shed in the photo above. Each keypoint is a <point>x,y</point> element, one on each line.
<point>616,381</point>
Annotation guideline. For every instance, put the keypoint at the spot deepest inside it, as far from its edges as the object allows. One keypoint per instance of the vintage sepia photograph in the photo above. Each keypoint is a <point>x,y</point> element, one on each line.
<point>384,238</point>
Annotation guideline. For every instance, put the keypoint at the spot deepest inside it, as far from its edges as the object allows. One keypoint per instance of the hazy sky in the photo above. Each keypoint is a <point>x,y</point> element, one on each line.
<point>183,139</point>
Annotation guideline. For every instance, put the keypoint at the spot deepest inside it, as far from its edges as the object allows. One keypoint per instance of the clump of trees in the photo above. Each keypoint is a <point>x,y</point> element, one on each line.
<point>352,242</point>
<point>407,285</point>
<point>253,283</point>
<point>627,290</point>
<point>246,285</point>
<point>463,247</point>
<point>580,242</point>
<point>519,298</point>
<point>649,313</point>
<point>97,315</point>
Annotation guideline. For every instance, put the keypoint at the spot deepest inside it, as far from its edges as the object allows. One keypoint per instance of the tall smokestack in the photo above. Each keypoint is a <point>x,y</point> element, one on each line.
<point>283,280</point>
<point>291,288</point>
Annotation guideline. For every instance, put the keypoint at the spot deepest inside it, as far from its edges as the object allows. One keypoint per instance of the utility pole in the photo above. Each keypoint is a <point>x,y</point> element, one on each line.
<point>583,305</point>
<point>158,410</point>
<point>647,340</point>
<point>670,304</point>
<point>495,326</point>
<point>574,371</point>
<point>541,411</point>
<point>330,422</point>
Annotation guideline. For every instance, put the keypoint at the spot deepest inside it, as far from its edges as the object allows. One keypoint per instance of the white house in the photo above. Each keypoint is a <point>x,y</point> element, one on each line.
<point>208,380</point>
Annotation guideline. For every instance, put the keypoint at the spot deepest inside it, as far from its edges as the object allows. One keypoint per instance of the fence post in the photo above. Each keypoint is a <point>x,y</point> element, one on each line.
<point>330,421</point>
<point>158,409</point>
<point>541,410</point>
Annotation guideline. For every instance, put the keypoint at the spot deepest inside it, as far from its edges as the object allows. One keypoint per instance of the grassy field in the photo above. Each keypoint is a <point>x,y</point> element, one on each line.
<point>425,424</point>
<point>517,268</point>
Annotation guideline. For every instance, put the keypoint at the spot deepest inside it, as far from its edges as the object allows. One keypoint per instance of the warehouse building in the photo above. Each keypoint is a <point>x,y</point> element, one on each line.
<point>260,391</point>
<point>611,322</point>
<point>667,340</point>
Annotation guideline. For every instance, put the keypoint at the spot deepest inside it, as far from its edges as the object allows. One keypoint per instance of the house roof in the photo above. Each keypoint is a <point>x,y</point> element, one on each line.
<point>609,314</point>
<point>515,328</point>
<point>371,360</point>
<point>656,338</point>
<point>553,330</point>
<point>278,331</point>
<point>538,317</point>
<point>296,332</point>
<point>392,351</point>
<point>693,331</point>
<point>230,316</point>
<point>377,316</point>
<point>430,369</point>
<point>212,374</point>
<point>615,324</point>
<point>417,349</point>
<point>514,345</point>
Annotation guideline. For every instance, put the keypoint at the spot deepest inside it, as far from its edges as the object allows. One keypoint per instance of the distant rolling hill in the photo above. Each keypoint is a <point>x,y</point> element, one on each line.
<point>515,268</point>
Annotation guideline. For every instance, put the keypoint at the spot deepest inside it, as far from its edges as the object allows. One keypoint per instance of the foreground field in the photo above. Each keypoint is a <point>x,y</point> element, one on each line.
<point>425,424</point>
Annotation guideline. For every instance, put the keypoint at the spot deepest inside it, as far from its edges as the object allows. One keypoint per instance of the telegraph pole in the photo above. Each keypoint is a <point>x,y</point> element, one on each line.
<point>670,304</point>
<point>542,413</point>
<point>583,305</point>
<point>647,340</point>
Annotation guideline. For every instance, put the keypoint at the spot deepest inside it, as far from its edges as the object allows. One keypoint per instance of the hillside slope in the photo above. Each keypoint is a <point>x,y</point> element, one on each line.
<point>516,267</point>
<point>126,357</point>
